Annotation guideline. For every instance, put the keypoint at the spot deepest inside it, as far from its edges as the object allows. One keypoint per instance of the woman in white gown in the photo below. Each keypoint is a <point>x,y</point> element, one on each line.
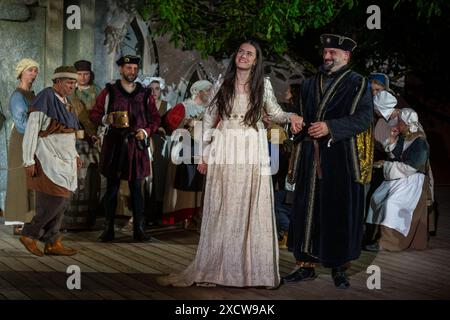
<point>238,242</point>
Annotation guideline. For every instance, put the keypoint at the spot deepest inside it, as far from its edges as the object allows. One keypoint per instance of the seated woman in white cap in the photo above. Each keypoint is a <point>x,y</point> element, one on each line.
<point>19,203</point>
<point>385,117</point>
<point>399,205</point>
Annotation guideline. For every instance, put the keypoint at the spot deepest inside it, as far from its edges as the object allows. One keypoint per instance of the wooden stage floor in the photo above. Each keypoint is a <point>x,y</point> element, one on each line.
<point>127,270</point>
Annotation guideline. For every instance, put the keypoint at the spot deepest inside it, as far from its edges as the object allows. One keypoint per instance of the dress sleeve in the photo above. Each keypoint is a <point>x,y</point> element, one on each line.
<point>211,116</point>
<point>175,116</point>
<point>19,111</point>
<point>271,105</point>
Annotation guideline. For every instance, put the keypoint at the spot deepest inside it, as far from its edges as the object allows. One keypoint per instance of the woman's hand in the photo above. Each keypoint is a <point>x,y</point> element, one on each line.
<point>202,167</point>
<point>296,123</point>
<point>378,164</point>
<point>394,134</point>
<point>79,163</point>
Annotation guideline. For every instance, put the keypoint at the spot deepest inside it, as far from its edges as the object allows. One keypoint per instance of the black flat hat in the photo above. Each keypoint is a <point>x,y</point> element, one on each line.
<point>128,59</point>
<point>337,41</point>
<point>82,65</point>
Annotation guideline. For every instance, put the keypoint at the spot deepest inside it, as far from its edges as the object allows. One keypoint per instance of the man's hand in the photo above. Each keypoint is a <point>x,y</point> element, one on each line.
<point>140,135</point>
<point>109,119</point>
<point>79,163</point>
<point>95,140</point>
<point>162,131</point>
<point>318,130</point>
<point>31,170</point>
<point>296,123</point>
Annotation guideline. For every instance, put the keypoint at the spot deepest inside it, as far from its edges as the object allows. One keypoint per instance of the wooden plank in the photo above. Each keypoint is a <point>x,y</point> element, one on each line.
<point>123,266</point>
<point>91,288</point>
<point>27,283</point>
<point>56,275</point>
<point>9,291</point>
<point>100,261</point>
<point>127,265</point>
<point>393,276</point>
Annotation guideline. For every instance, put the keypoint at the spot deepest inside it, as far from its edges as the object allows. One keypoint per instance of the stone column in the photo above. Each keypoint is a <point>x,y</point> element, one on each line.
<point>54,36</point>
<point>86,45</point>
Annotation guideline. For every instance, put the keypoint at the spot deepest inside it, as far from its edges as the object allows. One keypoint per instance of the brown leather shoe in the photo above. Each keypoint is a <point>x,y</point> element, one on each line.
<point>31,245</point>
<point>282,244</point>
<point>57,249</point>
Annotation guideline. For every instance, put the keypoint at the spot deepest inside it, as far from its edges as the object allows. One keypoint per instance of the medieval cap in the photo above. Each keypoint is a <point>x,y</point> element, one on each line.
<point>128,59</point>
<point>337,41</point>
<point>82,65</point>
<point>65,72</point>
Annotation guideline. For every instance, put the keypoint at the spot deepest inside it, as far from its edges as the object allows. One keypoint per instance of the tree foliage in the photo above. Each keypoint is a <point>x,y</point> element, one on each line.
<point>212,27</point>
<point>411,37</point>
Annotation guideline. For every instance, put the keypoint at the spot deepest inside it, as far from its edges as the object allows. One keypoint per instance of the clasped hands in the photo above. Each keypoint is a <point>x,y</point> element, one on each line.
<point>315,130</point>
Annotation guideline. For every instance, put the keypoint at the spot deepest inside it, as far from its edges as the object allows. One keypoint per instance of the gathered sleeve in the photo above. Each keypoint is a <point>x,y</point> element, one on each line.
<point>19,111</point>
<point>175,116</point>
<point>271,105</point>
<point>211,116</point>
<point>37,121</point>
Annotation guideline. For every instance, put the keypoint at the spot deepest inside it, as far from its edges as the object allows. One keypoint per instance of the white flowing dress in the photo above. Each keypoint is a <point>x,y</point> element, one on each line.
<point>238,244</point>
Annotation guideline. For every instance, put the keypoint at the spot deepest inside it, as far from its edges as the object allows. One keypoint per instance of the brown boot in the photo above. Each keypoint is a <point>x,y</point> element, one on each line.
<point>31,245</point>
<point>57,249</point>
<point>282,244</point>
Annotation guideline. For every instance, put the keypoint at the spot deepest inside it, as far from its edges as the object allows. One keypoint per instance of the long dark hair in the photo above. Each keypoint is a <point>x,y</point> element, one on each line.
<point>225,96</point>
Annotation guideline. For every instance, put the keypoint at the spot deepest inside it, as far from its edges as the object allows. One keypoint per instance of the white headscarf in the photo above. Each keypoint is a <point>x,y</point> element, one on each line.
<point>384,103</point>
<point>147,80</point>
<point>192,109</point>
<point>410,118</point>
<point>199,86</point>
<point>23,65</point>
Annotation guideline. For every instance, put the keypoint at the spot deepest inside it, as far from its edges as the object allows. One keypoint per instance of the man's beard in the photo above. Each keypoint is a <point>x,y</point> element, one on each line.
<point>130,78</point>
<point>327,67</point>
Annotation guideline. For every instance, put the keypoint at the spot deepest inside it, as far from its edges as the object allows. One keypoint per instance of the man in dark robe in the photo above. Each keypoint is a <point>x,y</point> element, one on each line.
<point>334,165</point>
<point>125,154</point>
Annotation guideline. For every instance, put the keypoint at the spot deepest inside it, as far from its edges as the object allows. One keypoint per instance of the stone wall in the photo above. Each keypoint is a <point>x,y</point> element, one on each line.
<point>23,38</point>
